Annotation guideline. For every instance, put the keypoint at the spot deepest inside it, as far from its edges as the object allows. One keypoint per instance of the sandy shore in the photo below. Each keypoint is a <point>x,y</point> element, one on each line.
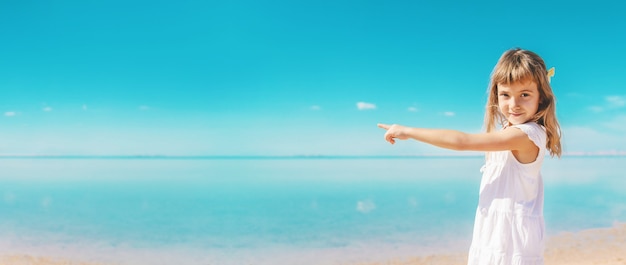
<point>602,246</point>
<point>34,260</point>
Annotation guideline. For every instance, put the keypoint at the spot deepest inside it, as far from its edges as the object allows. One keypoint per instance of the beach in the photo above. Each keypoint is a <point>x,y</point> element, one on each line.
<point>600,246</point>
<point>594,246</point>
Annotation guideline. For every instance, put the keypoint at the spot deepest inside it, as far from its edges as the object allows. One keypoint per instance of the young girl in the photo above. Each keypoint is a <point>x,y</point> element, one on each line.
<point>509,225</point>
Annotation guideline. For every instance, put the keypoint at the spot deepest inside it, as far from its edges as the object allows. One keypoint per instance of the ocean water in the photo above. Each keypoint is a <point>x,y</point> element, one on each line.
<point>274,211</point>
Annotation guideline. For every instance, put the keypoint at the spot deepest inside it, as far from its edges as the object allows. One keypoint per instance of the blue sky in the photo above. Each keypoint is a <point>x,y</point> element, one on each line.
<point>288,77</point>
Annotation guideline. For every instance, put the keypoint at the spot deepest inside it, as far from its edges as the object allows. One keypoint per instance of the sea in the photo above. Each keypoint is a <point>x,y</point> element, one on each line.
<point>274,210</point>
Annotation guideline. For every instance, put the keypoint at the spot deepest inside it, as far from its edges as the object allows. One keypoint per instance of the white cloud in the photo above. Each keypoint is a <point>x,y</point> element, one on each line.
<point>596,109</point>
<point>607,138</point>
<point>365,206</point>
<point>315,107</point>
<point>10,113</point>
<point>617,124</point>
<point>610,102</point>
<point>412,109</point>
<point>365,105</point>
<point>449,113</point>
<point>47,109</point>
<point>616,101</point>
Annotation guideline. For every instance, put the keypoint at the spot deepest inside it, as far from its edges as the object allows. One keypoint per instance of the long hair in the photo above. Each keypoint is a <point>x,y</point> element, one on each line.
<point>519,65</point>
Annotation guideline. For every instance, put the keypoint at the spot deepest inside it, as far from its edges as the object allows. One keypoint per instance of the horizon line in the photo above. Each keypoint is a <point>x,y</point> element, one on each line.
<point>226,157</point>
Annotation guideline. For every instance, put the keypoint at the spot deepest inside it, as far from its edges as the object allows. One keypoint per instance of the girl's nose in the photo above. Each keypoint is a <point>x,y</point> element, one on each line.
<point>514,102</point>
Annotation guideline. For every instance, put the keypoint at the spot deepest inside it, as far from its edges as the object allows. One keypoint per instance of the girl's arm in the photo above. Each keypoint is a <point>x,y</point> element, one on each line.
<point>508,139</point>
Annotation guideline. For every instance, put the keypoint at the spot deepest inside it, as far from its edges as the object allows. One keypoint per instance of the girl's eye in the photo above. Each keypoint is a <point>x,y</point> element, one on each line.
<point>525,95</point>
<point>504,95</point>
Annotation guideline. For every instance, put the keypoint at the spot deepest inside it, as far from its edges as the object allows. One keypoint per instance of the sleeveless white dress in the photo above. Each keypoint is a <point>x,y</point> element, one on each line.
<point>509,226</point>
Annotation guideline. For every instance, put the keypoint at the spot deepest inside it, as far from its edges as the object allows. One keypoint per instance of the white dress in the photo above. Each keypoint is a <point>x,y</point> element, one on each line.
<point>509,226</point>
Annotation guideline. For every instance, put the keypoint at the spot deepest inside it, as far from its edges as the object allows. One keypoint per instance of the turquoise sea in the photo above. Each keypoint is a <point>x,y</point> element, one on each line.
<point>280,210</point>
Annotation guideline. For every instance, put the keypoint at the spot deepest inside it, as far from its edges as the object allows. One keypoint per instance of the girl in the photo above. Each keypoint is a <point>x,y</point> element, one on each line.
<point>509,225</point>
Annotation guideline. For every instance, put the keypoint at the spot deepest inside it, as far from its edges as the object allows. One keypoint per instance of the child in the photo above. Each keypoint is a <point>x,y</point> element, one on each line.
<point>509,225</point>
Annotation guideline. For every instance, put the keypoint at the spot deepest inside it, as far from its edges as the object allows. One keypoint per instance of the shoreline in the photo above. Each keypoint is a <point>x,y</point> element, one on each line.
<point>604,246</point>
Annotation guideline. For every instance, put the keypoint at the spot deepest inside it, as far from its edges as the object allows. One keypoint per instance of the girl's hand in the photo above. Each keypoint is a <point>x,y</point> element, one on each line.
<point>394,131</point>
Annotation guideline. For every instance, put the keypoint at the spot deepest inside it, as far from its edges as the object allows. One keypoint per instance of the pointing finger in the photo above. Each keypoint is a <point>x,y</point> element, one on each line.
<point>384,126</point>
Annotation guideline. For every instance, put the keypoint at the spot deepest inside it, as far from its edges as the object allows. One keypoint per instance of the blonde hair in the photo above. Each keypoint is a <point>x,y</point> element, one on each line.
<point>520,65</point>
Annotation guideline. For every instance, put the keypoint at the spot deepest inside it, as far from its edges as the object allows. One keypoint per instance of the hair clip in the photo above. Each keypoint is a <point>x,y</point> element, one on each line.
<point>550,73</point>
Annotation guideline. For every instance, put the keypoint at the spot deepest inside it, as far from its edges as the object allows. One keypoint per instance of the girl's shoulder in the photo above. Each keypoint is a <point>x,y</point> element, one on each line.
<point>535,131</point>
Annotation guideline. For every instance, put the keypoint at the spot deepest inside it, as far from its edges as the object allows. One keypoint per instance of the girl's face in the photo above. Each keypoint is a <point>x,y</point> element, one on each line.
<point>518,101</point>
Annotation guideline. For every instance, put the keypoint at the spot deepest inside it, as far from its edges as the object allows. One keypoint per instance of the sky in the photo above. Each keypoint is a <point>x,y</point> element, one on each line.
<point>248,77</point>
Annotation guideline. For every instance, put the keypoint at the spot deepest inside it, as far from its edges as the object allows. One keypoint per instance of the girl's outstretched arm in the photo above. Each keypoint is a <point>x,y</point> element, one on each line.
<point>510,138</point>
